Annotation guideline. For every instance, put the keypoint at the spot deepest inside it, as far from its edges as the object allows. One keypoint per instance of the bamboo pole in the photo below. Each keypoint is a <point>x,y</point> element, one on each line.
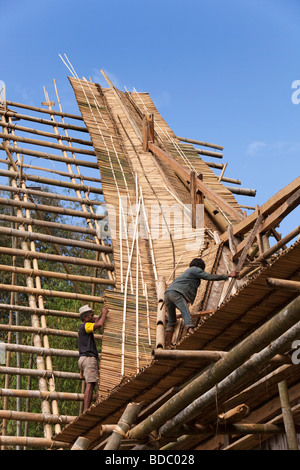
<point>45,395</point>
<point>199,142</point>
<point>56,275</point>
<point>45,143</point>
<point>47,122</point>
<point>179,355</point>
<point>161,314</point>
<point>40,311</point>
<point>293,286</point>
<point>236,376</point>
<point>41,351</point>
<point>39,373</point>
<point>81,443</point>
<point>60,197</point>
<point>269,252</point>
<point>123,426</point>
<point>214,374</point>
<point>52,182</point>
<point>38,442</point>
<point>50,156</point>
<point>287,415</point>
<point>43,110</point>
<point>60,259</point>
<point>52,209</point>
<point>30,130</point>
<point>36,417</point>
<point>51,293</point>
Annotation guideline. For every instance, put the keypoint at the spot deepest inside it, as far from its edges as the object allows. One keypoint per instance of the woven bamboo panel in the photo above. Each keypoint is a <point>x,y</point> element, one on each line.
<point>148,211</point>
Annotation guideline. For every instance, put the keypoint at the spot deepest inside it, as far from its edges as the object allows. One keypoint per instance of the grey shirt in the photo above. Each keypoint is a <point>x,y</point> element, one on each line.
<point>188,282</point>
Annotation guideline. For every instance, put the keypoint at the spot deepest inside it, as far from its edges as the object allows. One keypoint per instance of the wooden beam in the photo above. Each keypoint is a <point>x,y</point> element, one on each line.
<point>203,188</point>
<point>266,209</point>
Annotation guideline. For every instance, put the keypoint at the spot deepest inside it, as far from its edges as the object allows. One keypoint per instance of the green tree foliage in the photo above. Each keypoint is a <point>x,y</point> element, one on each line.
<point>53,303</point>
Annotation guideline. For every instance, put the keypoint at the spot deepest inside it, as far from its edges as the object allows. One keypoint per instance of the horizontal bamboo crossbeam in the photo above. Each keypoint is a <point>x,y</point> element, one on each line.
<point>39,311</point>
<point>50,293</point>
<point>52,209</point>
<point>43,110</point>
<point>66,174</point>
<point>52,239</point>
<point>209,154</point>
<point>4,392</point>
<point>51,182</point>
<point>48,195</point>
<point>56,275</point>
<point>42,331</point>
<point>198,142</point>
<point>231,429</point>
<point>242,191</point>
<point>179,355</point>
<point>36,417</point>
<point>45,143</point>
<point>40,373</point>
<point>30,130</point>
<point>39,351</point>
<point>293,286</point>
<point>58,258</point>
<point>45,223</point>
<point>48,122</point>
<point>50,156</point>
<point>38,442</point>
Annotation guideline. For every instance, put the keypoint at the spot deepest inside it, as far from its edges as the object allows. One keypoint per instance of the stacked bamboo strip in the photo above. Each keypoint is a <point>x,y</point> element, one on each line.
<point>112,347</point>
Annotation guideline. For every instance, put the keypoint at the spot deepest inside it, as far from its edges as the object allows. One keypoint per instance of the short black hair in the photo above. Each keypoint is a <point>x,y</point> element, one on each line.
<point>198,262</point>
<point>84,315</point>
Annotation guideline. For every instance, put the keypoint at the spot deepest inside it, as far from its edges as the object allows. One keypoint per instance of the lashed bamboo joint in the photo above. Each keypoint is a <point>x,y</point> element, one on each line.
<point>146,203</point>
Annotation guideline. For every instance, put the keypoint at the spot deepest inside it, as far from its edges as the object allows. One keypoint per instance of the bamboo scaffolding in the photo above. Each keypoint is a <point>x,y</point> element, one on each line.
<point>30,130</point>
<point>53,209</point>
<point>36,417</point>
<point>56,275</point>
<point>46,331</point>
<point>16,115</point>
<point>275,327</point>
<point>45,143</point>
<point>43,110</point>
<point>53,182</point>
<point>41,351</point>
<point>40,373</point>
<point>61,259</point>
<point>51,293</point>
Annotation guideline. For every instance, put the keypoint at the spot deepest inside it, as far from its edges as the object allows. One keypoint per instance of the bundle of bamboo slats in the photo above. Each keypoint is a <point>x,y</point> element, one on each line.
<point>148,206</point>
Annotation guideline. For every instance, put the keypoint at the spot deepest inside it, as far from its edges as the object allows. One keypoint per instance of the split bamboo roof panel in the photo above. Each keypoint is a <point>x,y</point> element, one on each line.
<point>147,208</point>
<point>244,312</point>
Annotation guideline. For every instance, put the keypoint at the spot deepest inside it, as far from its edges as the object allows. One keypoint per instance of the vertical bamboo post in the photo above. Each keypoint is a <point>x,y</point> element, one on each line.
<point>161,313</point>
<point>123,426</point>
<point>81,443</point>
<point>287,415</point>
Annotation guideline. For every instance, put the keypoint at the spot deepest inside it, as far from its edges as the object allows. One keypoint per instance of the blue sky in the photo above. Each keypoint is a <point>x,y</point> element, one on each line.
<point>220,71</point>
